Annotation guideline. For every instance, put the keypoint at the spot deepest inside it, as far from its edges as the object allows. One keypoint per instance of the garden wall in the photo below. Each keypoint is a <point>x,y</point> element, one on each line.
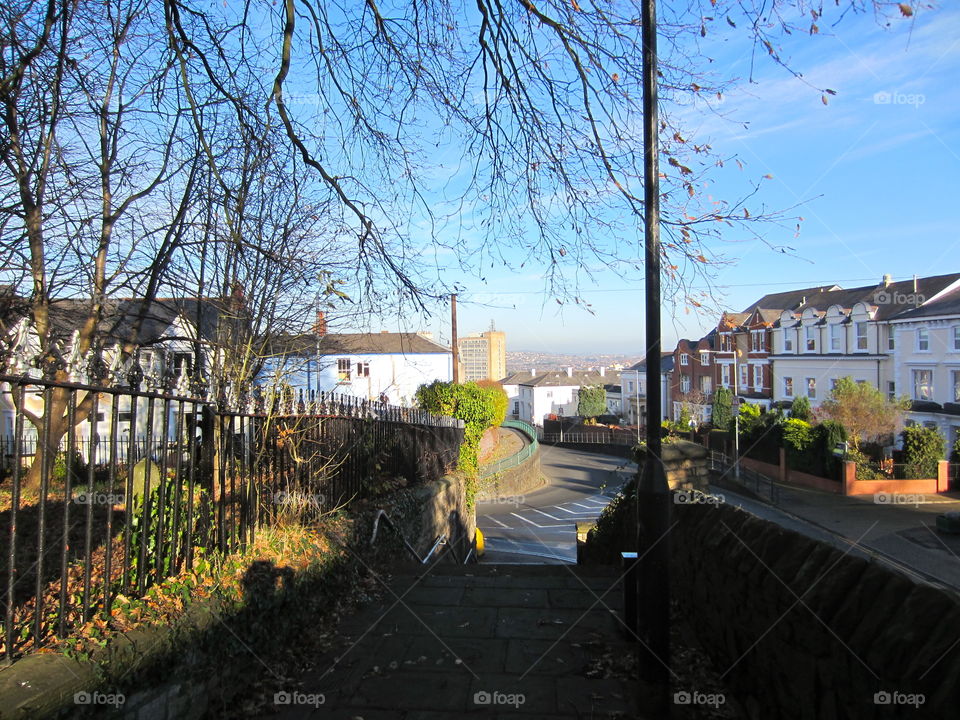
<point>928,486</point>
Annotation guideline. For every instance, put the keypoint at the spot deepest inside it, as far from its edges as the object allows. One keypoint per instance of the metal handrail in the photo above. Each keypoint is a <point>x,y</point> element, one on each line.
<point>381,514</point>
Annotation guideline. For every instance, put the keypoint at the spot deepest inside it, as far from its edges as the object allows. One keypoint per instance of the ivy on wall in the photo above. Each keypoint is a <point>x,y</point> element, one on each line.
<point>479,406</point>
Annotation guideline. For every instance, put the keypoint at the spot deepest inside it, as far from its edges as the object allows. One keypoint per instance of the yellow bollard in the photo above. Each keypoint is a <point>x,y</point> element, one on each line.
<point>479,541</point>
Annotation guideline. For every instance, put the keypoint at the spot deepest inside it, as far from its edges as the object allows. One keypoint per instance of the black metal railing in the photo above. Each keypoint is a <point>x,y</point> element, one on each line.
<point>108,490</point>
<point>762,486</point>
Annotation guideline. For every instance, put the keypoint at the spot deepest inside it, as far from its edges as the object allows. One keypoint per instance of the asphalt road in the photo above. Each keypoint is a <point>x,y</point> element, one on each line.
<point>541,527</point>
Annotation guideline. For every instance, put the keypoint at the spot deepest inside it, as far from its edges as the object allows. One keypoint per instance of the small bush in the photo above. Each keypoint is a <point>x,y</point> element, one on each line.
<point>800,410</point>
<point>923,448</point>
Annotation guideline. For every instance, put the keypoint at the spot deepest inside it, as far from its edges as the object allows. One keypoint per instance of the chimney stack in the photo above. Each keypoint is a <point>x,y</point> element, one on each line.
<point>602,371</point>
<point>533,372</point>
<point>887,279</point>
<point>320,326</point>
<point>569,371</point>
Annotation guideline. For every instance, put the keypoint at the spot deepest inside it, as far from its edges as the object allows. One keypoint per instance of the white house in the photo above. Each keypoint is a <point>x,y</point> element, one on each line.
<point>633,388</point>
<point>171,336</point>
<point>371,366</point>
<point>926,364</point>
<point>557,392</point>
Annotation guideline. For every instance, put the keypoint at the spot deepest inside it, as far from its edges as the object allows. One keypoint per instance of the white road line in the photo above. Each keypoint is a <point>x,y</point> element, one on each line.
<point>588,507</point>
<point>490,517</point>
<point>547,514</point>
<point>529,521</point>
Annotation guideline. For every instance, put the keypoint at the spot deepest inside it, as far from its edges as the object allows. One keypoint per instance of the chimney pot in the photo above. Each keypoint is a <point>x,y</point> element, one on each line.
<point>887,279</point>
<point>602,371</point>
<point>320,326</point>
<point>533,371</point>
<point>569,371</point>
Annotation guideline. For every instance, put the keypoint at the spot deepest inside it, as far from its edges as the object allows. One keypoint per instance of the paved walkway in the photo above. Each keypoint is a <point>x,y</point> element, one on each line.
<point>484,640</point>
<point>898,529</point>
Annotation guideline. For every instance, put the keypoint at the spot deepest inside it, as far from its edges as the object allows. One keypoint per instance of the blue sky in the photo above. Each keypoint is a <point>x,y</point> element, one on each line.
<point>875,175</point>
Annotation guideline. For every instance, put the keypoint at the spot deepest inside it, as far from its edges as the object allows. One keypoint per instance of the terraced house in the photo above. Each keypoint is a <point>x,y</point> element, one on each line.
<point>848,333</point>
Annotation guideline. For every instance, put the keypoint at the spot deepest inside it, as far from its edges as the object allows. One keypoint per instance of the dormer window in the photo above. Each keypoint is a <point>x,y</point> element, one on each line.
<point>836,338</point>
<point>860,329</point>
<point>787,340</point>
<point>756,340</point>
<point>684,359</point>
<point>810,335</point>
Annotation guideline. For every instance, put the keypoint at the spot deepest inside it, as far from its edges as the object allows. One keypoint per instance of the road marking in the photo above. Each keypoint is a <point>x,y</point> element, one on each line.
<point>547,514</point>
<point>490,517</point>
<point>529,521</point>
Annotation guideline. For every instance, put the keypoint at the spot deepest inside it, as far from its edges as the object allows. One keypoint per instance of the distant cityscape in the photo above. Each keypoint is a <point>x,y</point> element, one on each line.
<point>518,360</point>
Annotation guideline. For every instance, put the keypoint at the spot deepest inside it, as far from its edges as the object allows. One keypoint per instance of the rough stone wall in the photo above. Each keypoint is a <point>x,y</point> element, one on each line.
<point>513,481</point>
<point>422,513</point>
<point>802,630</point>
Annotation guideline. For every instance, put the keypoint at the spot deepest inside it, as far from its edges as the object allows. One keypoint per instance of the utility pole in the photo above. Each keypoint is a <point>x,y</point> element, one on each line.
<point>653,493</point>
<point>453,341</point>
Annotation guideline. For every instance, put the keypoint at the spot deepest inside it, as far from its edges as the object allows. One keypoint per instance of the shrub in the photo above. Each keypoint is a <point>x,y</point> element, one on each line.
<point>923,448</point>
<point>592,401</point>
<point>722,408</point>
<point>827,435</point>
<point>800,410</point>
<point>866,468</point>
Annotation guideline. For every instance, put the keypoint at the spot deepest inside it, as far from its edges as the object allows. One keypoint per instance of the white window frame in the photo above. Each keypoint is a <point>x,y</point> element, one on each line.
<point>788,340</point>
<point>955,336</point>
<point>684,383</point>
<point>892,340</point>
<point>923,339</point>
<point>891,389</point>
<point>684,359</point>
<point>758,377</point>
<point>861,341</point>
<point>810,338</point>
<point>812,388</point>
<point>706,384</point>
<point>704,357</point>
<point>917,384</point>
<point>725,375</point>
<point>344,368</point>
<point>955,378</point>
<point>836,337</point>
<point>788,387</point>
<point>756,340</point>
<point>743,382</point>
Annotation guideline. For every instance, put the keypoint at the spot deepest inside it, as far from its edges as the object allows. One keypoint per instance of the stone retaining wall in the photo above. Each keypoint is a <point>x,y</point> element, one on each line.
<point>518,480</point>
<point>802,630</point>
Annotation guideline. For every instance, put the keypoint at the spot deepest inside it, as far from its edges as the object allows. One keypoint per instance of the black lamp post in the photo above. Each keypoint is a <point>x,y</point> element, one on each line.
<point>653,493</point>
